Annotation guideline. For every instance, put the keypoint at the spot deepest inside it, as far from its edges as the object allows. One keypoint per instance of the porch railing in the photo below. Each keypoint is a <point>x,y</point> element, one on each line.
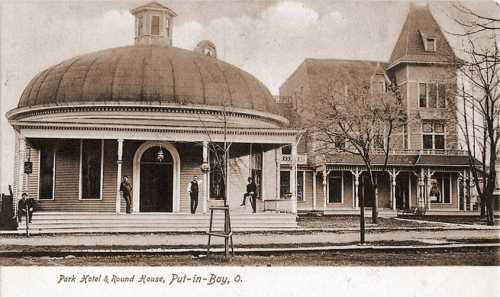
<point>280,205</point>
<point>287,159</point>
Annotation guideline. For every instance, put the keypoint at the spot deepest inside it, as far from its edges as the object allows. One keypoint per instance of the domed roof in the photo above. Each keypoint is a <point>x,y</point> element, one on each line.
<point>149,74</point>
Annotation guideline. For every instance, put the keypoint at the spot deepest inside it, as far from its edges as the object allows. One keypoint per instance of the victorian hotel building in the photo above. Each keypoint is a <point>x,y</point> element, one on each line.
<point>152,112</point>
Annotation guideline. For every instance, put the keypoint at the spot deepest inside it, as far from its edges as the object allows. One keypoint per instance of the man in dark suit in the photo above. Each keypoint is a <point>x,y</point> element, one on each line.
<point>25,207</point>
<point>251,192</point>
<point>126,189</point>
<point>193,189</point>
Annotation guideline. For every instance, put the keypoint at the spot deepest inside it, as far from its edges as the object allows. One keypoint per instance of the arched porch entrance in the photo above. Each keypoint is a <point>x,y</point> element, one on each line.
<point>155,182</point>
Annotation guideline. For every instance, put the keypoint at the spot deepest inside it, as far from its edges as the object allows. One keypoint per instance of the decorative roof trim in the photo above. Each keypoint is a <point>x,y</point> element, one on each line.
<point>14,114</point>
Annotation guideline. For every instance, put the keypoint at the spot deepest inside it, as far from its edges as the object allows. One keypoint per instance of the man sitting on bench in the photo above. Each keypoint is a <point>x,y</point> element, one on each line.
<point>25,207</point>
<point>251,192</point>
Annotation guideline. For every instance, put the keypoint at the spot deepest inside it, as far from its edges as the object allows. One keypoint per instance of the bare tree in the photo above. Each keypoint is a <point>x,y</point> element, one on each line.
<point>480,120</point>
<point>359,120</point>
<point>219,152</point>
<point>480,97</point>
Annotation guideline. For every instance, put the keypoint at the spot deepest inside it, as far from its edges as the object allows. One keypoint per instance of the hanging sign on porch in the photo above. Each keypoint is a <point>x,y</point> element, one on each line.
<point>28,167</point>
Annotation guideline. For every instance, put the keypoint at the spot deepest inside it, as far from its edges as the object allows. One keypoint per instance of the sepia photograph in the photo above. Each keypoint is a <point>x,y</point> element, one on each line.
<point>241,144</point>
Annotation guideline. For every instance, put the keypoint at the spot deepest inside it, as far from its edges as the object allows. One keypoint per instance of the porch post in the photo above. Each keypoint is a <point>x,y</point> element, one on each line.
<point>293,178</point>
<point>356,173</point>
<point>420,186</point>
<point>119,175</point>
<point>325,194</point>
<point>315,174</point>
<point>466,188</point>
<point>20,173</point>
<point>428,176</point>
<point>205,177</point>
<point>393,175</point>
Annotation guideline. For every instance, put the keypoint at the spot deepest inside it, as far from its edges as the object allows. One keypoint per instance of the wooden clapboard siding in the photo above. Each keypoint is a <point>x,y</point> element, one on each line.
<point>191,156</point>
<point>129,149</point>
<point>109,176</point>
<point>66,194</point>
<point>16,168</point>
<point>33,178</point>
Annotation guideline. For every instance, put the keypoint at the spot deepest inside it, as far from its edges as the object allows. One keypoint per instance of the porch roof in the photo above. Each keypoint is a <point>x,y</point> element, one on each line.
<point>452,158</point>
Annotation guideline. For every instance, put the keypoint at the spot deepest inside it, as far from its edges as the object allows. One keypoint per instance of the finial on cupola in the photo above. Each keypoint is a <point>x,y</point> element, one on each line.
<point>153,24</point>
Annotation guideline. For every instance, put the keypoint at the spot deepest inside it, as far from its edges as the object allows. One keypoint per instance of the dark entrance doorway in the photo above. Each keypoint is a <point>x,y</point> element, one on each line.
<point>403,190</point>
<point>156,181</point>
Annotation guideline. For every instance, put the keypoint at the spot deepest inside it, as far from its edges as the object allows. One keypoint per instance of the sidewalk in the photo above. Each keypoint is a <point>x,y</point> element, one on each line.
<point>162,241</point>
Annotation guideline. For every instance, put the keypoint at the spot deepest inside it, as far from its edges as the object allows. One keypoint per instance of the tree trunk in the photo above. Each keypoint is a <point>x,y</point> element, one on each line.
<point>483,205</point>
<point>362,219</point>
<point>375,204</point>
<point>490,219</point>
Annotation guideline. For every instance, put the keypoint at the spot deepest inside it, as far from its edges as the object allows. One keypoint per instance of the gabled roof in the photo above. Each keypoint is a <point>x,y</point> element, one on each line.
<point>342,71</point>
<point>410,45</point>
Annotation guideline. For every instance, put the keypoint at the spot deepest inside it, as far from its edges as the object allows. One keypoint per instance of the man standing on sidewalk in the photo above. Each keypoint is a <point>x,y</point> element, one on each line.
<point>193,189</point>
<point>126,189</point>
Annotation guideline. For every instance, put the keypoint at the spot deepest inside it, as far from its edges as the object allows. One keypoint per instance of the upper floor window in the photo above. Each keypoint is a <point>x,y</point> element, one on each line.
<point>432,95</point>
<point>91,157</point>
<point>433,135</point>
<point>378,87</point>
<point>286,150</point>
<point>155,25</point>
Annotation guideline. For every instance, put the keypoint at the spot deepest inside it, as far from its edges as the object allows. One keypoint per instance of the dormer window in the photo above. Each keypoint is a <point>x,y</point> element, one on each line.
<point>430,44</point>
<point>429,41</point>
<point>155,25</point>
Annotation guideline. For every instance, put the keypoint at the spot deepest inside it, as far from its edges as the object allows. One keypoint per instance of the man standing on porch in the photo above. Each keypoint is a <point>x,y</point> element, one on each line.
<point>193,189</point>
<point>126,189</point>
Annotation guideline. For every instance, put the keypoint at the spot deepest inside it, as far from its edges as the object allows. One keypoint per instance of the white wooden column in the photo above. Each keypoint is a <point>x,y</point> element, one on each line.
<point>428,174</point>
<point>356,173</point>
<point>325,194</point>
<point>393,174</point>
<point>119,175</point>
<point>20,173</point>
<point>420,189</point>
<point>315,174</point>
<point>293,178</point>
<point>205,169</point>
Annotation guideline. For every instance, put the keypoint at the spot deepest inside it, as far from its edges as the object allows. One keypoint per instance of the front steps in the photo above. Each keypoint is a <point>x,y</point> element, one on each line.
<point>86,222</point>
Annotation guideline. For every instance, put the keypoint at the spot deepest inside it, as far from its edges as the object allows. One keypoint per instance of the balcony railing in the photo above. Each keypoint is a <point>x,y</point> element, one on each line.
<point>426,152</point>
<point>283,99</point>
<point>287,159</point>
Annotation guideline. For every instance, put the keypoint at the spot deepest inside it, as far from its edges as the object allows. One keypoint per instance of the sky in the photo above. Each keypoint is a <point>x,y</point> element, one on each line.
<point>268,38</point>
